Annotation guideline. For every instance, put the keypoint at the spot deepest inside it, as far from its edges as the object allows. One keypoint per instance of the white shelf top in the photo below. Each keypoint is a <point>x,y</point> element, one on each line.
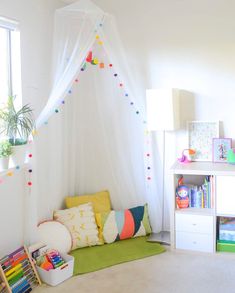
<point>198,211</point>
<point>203,168</point>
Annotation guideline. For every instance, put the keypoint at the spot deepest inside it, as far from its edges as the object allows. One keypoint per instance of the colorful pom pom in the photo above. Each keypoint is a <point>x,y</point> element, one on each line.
<point>34,132</point>
<point>30,170</point>
<point>17,167</point>
<point>29,183</point>
<point>9,173</point>
<point>89,57</point>
<point>110,65</point>
<point>95,61</point>
<point>83,67</point>
<point>30,155</point>
<point>56,111</point>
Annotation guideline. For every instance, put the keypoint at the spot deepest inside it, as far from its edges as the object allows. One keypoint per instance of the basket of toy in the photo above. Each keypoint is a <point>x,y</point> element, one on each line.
<point>57,274</point>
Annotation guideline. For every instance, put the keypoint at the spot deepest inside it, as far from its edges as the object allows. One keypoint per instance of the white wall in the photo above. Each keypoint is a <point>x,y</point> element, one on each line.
<point>184,44</point>
<point>36,23</point>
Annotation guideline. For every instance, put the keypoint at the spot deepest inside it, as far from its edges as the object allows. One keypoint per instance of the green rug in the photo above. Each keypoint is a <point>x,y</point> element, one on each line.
<point>90,259</point>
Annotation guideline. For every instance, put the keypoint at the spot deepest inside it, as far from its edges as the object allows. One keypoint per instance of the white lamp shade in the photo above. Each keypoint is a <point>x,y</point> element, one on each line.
<point>162,109</point>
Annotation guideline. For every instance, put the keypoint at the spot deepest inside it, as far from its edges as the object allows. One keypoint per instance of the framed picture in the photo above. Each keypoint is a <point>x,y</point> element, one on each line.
<point>200,136</point>
<point>220,149</point>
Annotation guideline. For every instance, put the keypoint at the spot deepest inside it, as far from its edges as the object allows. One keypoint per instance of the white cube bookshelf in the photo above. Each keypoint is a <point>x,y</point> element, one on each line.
<point>195,228</point>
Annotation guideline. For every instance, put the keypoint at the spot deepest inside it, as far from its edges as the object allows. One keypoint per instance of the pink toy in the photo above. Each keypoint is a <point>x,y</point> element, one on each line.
<point>186,156</point>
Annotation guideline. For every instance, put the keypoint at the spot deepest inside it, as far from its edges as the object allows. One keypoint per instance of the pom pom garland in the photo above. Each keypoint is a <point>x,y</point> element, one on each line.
<point>93,61</point>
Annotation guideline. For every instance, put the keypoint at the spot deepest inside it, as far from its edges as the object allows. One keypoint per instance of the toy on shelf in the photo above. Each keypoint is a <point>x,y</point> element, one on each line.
<point>18,272</point>
<point>231,156</point>
<point>182,196</point>
<point>187,156</point>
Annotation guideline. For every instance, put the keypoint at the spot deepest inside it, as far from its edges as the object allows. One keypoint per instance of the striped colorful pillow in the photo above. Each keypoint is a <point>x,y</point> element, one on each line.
<point>119,225</point>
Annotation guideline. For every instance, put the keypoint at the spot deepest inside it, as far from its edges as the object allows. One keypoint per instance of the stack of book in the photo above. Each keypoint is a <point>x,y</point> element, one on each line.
<point>226,236</point>
<point>227,229</point>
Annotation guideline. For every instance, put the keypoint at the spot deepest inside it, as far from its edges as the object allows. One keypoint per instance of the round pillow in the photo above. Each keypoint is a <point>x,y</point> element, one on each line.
<point>55,235</point>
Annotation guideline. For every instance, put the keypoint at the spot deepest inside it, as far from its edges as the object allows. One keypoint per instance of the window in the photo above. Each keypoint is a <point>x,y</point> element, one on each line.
<point>10,66</point>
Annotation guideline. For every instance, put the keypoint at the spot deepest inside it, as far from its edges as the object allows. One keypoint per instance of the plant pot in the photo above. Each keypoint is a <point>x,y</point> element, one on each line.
<point>4,162</point>
<point>19,153</point>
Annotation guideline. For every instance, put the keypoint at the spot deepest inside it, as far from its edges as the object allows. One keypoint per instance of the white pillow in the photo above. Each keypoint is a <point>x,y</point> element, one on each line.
<point>55,235</point>
<point>81,223</point>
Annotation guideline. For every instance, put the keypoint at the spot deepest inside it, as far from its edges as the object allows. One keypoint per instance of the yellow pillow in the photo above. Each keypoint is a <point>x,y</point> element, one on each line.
<point>100,201</point>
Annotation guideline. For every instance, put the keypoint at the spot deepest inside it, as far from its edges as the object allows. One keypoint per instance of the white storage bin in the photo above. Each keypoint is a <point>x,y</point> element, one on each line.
<point>57,276</point>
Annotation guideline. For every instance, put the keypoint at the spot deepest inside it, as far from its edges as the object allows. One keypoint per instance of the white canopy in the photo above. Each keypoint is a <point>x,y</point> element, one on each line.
<point>76,29</point>
<point>97,142</point>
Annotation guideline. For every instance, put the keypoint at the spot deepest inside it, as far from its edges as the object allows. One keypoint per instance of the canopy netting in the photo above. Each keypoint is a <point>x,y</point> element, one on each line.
<point>98,140</point>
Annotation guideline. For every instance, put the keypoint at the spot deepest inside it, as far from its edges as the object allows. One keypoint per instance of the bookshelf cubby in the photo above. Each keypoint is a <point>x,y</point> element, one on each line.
<point>196,227</point>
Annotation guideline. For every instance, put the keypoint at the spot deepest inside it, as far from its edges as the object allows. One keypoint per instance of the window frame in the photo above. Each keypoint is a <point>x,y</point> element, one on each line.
<point>9,25</point>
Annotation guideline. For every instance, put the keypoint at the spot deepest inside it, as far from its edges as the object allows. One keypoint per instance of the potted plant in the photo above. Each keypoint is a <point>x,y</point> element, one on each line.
<point>5,152</point>
<point>17,125</point>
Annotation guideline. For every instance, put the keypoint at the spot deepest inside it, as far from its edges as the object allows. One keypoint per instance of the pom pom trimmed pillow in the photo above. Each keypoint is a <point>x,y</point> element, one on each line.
<point>56,235</point>
<point>81,223</point>
<point>119,225</point>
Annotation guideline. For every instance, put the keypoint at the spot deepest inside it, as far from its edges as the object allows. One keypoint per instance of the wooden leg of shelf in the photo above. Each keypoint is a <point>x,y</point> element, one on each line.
<point>5,280</point>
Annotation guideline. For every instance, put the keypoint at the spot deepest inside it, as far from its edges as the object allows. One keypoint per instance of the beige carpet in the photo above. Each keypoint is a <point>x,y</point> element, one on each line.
<point>170,272</point>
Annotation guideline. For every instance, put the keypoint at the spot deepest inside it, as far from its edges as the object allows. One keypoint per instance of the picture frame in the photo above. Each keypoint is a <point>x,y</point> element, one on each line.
<point>220,147</point>
<point>200,138</point>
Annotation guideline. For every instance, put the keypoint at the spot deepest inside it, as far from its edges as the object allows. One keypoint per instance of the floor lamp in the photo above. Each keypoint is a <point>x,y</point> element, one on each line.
<point>162,116</point>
